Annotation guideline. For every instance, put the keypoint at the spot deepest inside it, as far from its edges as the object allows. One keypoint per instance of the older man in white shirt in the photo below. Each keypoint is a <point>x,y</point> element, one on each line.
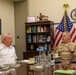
<point>7,51</point>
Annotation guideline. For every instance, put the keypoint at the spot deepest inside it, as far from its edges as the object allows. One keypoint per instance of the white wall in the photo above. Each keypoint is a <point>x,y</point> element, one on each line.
<point>52,8</point>
<point>7,17</point>
<point>20,19</point>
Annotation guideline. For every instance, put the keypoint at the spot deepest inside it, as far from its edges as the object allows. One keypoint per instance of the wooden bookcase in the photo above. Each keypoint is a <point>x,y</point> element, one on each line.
<point>39,36</point>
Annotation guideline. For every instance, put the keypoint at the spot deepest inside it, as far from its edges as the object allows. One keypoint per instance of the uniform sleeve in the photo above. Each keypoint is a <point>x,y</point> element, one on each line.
<point>72,47</point>
<point>74,54</point>
<point>58,50</point>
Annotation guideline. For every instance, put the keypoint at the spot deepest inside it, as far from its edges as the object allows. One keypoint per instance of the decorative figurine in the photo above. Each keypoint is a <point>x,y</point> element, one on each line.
<point>41,17</point>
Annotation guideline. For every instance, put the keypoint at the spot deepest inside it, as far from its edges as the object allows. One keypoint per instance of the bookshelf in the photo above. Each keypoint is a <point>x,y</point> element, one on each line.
<point>38,37</point>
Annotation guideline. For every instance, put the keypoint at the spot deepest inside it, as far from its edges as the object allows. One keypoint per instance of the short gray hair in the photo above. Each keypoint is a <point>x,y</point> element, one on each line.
<point>68,33</point>
<point>4,35</point>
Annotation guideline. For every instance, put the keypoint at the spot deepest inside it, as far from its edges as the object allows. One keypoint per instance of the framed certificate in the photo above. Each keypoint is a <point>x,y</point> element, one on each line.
<point>30,19</point>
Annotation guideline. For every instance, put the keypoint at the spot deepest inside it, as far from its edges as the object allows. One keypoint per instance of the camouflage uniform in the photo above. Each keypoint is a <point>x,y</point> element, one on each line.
<point>66,55</point>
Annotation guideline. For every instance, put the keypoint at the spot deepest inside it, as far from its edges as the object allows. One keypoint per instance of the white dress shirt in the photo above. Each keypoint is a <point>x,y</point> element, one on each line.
<point>7,55</point>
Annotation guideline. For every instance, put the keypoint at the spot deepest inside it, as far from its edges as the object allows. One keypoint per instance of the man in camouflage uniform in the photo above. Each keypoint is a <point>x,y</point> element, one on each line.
<point>66,51</point>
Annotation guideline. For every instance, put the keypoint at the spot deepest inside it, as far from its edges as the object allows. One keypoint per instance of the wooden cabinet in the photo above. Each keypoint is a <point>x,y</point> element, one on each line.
<point>39,37</point>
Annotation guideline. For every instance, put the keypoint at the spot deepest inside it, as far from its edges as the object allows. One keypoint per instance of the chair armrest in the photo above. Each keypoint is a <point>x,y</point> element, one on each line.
<point>73,61</point>
<point>57,61</point>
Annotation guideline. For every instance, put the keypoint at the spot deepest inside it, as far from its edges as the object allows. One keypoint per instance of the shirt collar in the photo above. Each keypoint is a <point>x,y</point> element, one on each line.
<point>5,46</point>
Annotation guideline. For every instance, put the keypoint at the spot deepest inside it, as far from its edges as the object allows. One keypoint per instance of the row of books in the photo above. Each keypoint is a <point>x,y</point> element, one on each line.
<point>38,38</point>
<point>35,29</point>
<point>44,47</point>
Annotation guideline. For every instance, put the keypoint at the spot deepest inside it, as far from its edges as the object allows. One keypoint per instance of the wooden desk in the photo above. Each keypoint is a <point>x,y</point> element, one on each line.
<point>10,70</point>
<point>22,70</point>
<point>30,69</point>
<point>30,54</point>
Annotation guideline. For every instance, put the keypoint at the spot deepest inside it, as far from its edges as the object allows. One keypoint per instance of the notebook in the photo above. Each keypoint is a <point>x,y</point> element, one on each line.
<point>65,72</point>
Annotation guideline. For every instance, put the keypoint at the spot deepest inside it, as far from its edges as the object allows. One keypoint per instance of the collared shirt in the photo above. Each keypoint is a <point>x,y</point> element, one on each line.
<point>7,55</point>
<point>65,54</point>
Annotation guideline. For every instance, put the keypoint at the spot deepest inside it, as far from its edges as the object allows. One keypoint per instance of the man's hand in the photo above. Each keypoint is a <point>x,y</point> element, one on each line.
<point>69,48</point>
<point>55,48</point>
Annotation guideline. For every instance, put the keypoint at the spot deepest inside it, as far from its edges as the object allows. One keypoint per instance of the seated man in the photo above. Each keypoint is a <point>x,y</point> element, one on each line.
<point>7,51</point>
<point>66,51</point>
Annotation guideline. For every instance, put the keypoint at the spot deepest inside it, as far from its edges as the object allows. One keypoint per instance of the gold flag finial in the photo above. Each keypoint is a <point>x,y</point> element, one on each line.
<point>65,6</point>
<point>65,10</point>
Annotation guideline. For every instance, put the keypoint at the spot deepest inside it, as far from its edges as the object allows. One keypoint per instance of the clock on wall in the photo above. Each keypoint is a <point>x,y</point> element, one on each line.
<point>73,14</point>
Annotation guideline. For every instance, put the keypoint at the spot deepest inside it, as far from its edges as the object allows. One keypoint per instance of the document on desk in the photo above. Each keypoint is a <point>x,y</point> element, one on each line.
<point>28,61</point>
<point>1,72</point>
<point>31,62</point>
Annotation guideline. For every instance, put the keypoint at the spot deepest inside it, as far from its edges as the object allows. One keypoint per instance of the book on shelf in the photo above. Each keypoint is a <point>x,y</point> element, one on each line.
<point>28,29</point>
<point>48,38</point>
<point>42,48</point>
<point>38,28</point>
<point>33,29</point>
<point>41,38</point>
<point>34,38</point>
<point>49,47</point>
<point>31,47</point>
<point>29,38</point>
<point>41,29</point>
<point>45,29</point>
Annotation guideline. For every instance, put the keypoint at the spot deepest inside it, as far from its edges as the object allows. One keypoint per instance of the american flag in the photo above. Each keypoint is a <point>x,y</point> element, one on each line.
<point>65,25</point>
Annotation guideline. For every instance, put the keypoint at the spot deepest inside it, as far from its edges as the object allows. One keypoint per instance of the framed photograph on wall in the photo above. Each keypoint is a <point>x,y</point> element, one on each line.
<point>31,19</point>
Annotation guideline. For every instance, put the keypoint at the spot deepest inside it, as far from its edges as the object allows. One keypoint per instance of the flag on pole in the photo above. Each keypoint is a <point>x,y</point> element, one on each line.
<point>65,25</point>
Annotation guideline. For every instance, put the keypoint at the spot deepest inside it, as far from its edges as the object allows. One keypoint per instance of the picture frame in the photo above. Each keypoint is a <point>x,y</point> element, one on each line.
<point>31,19</point>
